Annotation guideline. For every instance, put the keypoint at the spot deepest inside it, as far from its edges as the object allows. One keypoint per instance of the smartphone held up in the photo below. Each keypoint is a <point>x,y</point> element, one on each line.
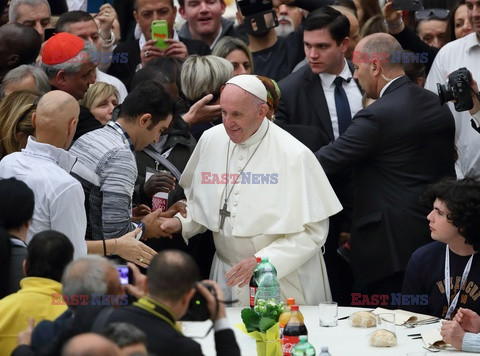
<point>160,33</point>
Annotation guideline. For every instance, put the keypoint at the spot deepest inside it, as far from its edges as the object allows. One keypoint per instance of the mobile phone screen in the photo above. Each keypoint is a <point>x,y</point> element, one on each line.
<point>124,274</point>
<point>160,33</point>
<point>93,6</point>
<point>410,5</point>
<point>48,33</point>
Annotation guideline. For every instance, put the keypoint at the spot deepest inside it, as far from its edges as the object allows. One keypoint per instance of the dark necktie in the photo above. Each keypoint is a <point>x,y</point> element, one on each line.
<point>344,115</point>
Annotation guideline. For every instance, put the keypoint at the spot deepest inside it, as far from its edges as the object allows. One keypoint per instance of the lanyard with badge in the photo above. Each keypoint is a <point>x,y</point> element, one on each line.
<point>126,137</point>
<point>466,271</point>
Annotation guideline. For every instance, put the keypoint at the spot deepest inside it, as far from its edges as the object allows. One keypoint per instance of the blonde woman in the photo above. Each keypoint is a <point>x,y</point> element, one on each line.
<point>101,98</point>
<point>16,112</point>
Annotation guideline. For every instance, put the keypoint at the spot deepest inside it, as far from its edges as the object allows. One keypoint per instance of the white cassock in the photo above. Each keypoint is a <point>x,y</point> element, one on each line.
<point>278,209</point>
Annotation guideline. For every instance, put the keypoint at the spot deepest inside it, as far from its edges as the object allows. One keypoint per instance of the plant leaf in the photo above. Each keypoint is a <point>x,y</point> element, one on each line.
<point>266,323</point>
<point>250,319</point>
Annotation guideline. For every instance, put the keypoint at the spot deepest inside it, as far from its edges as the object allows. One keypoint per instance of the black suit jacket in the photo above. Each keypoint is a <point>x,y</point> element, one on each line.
<point>397,146</point>
<point>162,339</point>
<point>126,57</point>
<point>303,103</point>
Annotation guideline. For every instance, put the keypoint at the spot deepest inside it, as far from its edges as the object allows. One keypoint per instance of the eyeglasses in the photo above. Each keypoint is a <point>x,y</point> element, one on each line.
<point>431,14</point>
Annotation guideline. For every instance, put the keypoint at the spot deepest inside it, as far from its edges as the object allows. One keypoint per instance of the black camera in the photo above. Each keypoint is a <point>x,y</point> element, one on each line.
<point>457,89</point>
<point>259,15</point>
<point>198,309</point>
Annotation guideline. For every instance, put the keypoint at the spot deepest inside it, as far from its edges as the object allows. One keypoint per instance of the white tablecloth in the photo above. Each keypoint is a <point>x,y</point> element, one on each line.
<point>342,340</point>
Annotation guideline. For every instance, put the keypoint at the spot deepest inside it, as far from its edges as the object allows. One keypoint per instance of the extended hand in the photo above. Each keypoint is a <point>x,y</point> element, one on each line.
<point>140,211</point>
<point>135,251</point>
<point>216,312</point>
<point>475,98</point>
<point>137,288</point>
<point>25,336</point>
<point>452,333</point>
<point>171,226</point>
<point>176,49</point>
<point>179,207</point>
<point>159,182</point>
<point>201,112</point>
<point>153,223</point>
<point>468,320</point>
<point>241,273</point>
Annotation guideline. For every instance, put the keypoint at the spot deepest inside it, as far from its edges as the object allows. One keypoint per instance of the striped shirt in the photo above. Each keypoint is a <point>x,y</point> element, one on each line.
<point>108,195</point>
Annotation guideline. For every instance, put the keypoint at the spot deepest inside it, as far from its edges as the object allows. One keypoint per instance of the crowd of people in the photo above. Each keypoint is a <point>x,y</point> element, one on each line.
<point>317,140</point>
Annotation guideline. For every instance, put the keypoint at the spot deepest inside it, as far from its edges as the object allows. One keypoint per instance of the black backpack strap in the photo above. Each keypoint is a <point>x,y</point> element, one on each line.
<point>101,320</point>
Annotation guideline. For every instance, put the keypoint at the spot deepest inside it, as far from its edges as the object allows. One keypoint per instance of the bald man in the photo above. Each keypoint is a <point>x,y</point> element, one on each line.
<point>44,165</point>
<point>90,344</point>
<point>396,147</point>
<point>19,44</point>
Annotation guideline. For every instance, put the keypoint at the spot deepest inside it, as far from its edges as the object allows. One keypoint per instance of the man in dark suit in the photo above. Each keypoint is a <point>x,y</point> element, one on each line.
<point>169,288</point>
<point>396,147</point>
<point>309,99</point>
<point>308,94</point>
<point>139,52</point>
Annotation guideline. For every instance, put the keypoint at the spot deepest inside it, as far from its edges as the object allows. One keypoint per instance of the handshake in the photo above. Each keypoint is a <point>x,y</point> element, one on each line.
<point>159,224</point>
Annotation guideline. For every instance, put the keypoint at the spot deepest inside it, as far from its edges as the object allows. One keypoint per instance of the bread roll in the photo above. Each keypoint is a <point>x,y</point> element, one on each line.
<point>383,338</point>
<point>363,319</point>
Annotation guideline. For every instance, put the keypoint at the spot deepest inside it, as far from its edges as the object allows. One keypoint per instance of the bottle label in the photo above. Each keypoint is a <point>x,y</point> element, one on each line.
<point>253,292</point>
<point>288,342</point>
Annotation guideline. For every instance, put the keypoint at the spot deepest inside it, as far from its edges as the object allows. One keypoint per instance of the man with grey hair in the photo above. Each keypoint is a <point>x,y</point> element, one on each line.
<point>235,192</point>
<point>83,25</point>
<point>68,62</point>
<point>25,77</point>
<point>90,276</point>
<point>395,147</point>
<point>31,13</point>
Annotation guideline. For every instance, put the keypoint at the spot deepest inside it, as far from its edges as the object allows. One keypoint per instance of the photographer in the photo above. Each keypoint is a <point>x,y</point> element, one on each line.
<point>168,289</point>
<point>475,111</point>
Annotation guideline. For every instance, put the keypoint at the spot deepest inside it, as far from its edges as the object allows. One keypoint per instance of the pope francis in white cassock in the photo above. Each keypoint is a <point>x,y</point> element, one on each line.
<point>279,206</point>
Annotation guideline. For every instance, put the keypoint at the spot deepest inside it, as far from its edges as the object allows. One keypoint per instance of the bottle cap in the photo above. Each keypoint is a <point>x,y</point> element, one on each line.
<point>294,308</point>
<point>264,259</point>
<point>290,301</point>
<point>324,348</point>
<point>259,259</point>
<point>303,338</point>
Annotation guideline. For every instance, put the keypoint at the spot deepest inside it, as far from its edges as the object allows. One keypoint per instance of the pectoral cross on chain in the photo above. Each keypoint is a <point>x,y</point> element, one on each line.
<point>223,213</point>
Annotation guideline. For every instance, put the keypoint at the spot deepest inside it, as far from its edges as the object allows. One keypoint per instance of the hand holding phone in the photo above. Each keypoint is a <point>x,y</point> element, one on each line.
<point>125,274</point>
<point>409,5</point>
<point>160,33</point>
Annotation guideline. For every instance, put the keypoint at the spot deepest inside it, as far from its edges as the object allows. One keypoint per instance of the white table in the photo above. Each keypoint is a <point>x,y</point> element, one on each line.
<point>342,340</point>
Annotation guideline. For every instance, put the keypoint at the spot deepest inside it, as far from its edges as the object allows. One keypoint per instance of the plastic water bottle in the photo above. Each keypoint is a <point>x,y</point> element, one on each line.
<point>268,287</point>
<point>253,285</point>
<point>324,351</point>
<point>261,269</point>
<point>303,348</point>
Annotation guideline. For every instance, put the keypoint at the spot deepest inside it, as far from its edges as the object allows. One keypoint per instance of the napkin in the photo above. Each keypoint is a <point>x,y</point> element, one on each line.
<point>402,316</point>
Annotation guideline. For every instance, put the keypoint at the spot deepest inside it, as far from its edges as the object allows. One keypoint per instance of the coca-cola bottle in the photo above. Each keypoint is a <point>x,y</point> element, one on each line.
<point>285,316</point>
<point>253,285</point>
<point>292,331</point>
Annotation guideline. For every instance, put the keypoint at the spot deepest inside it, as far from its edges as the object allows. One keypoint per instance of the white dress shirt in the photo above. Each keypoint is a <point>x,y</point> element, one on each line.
<point>351,89</point>
<point>464,52</point>
<point>59,198</point>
